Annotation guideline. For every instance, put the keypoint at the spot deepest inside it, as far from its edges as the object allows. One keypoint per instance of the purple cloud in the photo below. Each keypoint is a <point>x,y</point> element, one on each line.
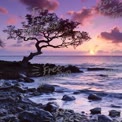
<point>114,35</point>
<point>30,44</point>
<point>42,4</point>
<point>83,16</point>
<point>3,10</point>
<point>16,45</point>
<point>112,8</point>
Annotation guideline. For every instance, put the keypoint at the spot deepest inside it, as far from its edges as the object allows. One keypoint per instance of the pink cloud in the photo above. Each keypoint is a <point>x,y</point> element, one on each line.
<point>42,4</point>
<point>115,35</point>
<point>83,16</point>
<point>12,20</point>
<point>3,10</point>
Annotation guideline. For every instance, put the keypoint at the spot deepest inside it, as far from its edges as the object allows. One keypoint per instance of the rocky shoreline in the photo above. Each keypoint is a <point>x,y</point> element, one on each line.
<point>12,70</point>
<point>15,105</point>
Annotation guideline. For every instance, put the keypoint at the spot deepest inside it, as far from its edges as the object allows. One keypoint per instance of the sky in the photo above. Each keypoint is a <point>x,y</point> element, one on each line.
<point>102,19</point>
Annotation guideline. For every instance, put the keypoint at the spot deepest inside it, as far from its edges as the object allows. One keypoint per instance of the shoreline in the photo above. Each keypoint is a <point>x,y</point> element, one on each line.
<point>16,105</point>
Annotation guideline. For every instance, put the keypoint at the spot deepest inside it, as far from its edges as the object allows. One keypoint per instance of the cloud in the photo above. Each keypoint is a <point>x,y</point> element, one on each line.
<point>117,52</point>
<point>12,20</point>
<point>16,45</point>
<point>3,10</point>
<point>19,41</point>
<point>83,16</point>
<point>115,36</point>
<point>30,44</point>
<point>42,4</point>
<point>111,8</point>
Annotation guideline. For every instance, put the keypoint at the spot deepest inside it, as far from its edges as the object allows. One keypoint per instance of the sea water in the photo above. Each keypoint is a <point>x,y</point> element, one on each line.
<point>104,81</point>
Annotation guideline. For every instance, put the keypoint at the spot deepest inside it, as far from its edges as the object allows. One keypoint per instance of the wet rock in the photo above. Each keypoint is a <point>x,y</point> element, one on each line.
<point>28,80</point>
<point>103,118</point>
<point>37,115</point>
<point>115,106</point>
<point>96,69</point>
<point>51,99</point>
<point>114,113</point>
<point>51,107</point>
<point>68,98</point>
<point>7,99</point>
<point>19,89</point>
<point>94,97</point>
<point>10,118</point>
<point>46,88</point>
<point>31,89</point>
<point>77,92</point>
<point>102,75</point>
<point>96,111</point>
<point>3,112</point>
<point>22,75</point>
<point>73,69</point>
<point>24,78</point>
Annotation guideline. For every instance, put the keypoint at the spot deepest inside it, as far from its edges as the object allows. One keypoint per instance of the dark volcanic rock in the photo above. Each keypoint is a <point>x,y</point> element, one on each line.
<point>28,80</point>
<point>3,112</point>
<point>96,69</point>
<point>73,69</point>
<point>116,106</point>
<point>24,78</point>
<point>94,97</point>
<point>51,99</point>
<point>51,107</point>
<point>114,113</point>
<point>68,98</point>
<point>96,111</point>
<point>103,118</point>
<point>102,75</point>
<point>77,92</point>
<point>37,115</point>
<point>10,118</point>
<point>46,88</point>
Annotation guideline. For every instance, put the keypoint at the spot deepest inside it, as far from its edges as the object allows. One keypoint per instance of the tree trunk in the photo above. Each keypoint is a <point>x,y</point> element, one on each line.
<point>26,60</point>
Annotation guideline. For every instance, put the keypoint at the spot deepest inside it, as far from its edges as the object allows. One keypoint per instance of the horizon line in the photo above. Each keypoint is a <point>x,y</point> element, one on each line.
<point>64,55</point>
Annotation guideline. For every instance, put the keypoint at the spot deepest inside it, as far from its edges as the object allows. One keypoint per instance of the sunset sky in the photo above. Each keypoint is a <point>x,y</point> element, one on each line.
<point>105,29</point>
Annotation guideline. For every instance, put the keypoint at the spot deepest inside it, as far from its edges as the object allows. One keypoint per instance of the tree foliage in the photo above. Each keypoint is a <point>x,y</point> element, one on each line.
<point>45,27</point>
<point>1,43</point>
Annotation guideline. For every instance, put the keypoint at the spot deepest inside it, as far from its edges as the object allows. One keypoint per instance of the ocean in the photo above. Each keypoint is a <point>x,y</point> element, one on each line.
<point>108,82</point>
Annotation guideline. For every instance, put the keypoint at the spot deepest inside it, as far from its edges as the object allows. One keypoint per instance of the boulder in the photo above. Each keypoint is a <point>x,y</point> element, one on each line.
<point>103,118</point>
<point>51,107</point>
<point>37,115</point>
<point>114,113</point>
<point>3,112</point>
<point>28,80</point>
<point>68,98</point>
<point>46,88</point>
<point>73,69</point>
<point>94,97</point>
<point>96,111</point>
<point>9,118</point>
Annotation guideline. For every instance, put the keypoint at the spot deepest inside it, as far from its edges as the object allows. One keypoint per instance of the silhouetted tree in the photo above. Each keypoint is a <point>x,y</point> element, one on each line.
<point>48,30</point>
<point>1,43</point>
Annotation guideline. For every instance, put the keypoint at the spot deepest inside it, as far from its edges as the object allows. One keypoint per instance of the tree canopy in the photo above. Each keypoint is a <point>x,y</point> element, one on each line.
<point>45,27</point>
<point>1,43</point>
